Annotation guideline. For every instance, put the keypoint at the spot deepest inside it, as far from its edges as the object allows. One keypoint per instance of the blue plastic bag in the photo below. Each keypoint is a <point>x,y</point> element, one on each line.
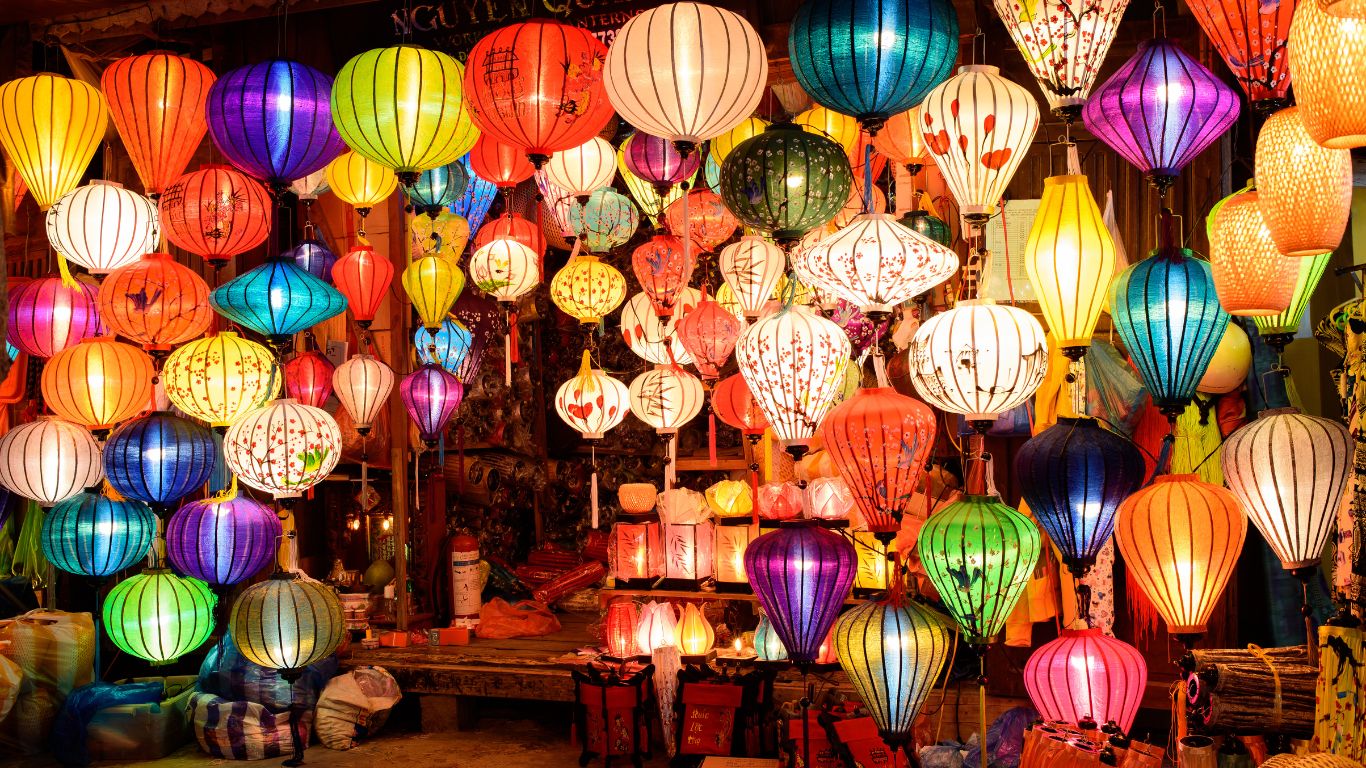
<point>68,738</point>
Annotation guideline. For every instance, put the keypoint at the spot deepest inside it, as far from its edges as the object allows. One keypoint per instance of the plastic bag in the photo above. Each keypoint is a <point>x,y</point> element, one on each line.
<point>1114,392</point>
<point>68,741</point>
<point>1005,739</point>
<point>355,706</point>
<point>11,681</point>
<point>227,673</point>
<point>244,730</point>
<point>526,618</point>
<point>55,651</point>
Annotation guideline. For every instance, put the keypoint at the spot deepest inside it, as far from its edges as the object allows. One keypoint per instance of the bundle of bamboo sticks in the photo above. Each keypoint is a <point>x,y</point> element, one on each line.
<point>1244,691</point>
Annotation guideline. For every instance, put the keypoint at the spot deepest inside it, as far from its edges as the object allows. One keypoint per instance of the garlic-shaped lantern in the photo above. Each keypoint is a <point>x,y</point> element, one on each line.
<point>875,263</point>
<point>592,402</point>
<point>666,397</point>
<point>284,448</point>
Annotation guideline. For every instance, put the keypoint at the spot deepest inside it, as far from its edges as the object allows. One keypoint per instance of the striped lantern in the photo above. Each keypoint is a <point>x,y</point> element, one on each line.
<point>592,402</point>
<point>581,170</point>
<point>219,378</point>
<point>875,263</point>
<point>363,277</point>
<point>156,302</point>
<point>360,182</point>
<point>50,128</point>
<point>1070,257</point>
<point>433,284</point>
<point>98,383</point>
<point>666,397</point>
<point>511,226</point>
<point>363,384</point>
<point>1288,322</point>
<point>223,542</point>
<point>215,213</point>
<point>158,616</point>
<point>880,441</point>
<point>709,332</point>
<point>286,623</point>
<point>277,300</point>
<point>102,226</point>
<point>657,161</point>
<point>503,165</point>
<point>801,574</point>
<point>449,347</point>
<point>159,459</point>
<point>663,266</point>
<point>94,536</point>
<point>47,316</point>
<point>1085,677</point>
<point>431,396</point>
<point>505,270</point>
<point>49,460</point>
<point>156,101</point>
<point>752,268</point>
<point>284,448</point>
<point>308,378</point>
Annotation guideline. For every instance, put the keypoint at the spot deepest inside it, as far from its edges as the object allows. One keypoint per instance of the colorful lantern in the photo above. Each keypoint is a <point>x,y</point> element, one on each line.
<point>639,552</point>
<point>592,402</point>
<point>431,396</point>
<point>658,623</point>
<point>1086,677</point>
<point>1064,46</point>
<point>363,277</point>
<point>930,226</point>
<point>829,499</point>
<point>284,448</point>
<point>606,221</point>
<point>663,267</point>
<point>880,441</point>
<point>363,384</point>
<point>159,459</point>
<point>158,616</point>
<point>215,213</point>
<point>709,332</point>
<point>620,626</point>
<point>219,378</point>
<point>801,574</point>
<point>872,563</point>
<point>666,398</point>
<point>841,128</point>
<point>1232,359</point>
<point>694,635</point>
<point>443,234</point>
<point>433,284</point>
<point>689,554</point>
<point>581,170</point>
<point>94,536</point>
<point>752,268</point>
<point>448,347</point>
<point>277,300</point>
<point>314,257</point>
<point>1327,71</point>
<point>479,193</point>
<point>736,407</point>
<point>510,226</point>
<point>722,144</point>
<point>49,460</point>
<point>310,187</point>
<point>102,226</point>
<point>438,188</point>
<point>1303,189</point>
<point>223,542</point>
<point>505,270</point>
<point>1070,259</point>
<point>657,162</point>
<point>703,217</point>
<point>786,181</point>
<point>50,127</point>
<point>286,623</point>
<point>1251,276</point>
<point>1251,38</point>
<point>156,101</point>
<point>47,315</point>
<point>652,338</point>
<point>733,537</point>
<point>308,378</point>
<point>504,165</point>
<point>98,383</point>
<point>652,199</point>
<point>156,302</point>
<point>900,141</point>
<point>1275,328</point>
<point>587,289</point>
<point>767,645</point>
<point>360,182</point>
<point>875,263</point>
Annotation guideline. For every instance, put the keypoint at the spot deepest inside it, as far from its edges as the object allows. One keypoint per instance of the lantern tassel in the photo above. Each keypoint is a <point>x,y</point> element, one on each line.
<point>711,439</point>
<point>880,367</point>
<point>507,354</point>
<point>982,707</point>
<point>64,270</point>
<point>593,486</point>
<point>671,468</point>
<point>228,493</point>
<point>768,460</point>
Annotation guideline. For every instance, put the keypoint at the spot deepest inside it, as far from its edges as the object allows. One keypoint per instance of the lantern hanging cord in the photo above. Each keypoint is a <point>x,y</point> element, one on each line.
<point>868,178</point>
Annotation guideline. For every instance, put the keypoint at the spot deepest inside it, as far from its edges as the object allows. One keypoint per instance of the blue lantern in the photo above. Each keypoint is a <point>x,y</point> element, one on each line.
<point>478,197</point>
<point>222,541</point>
<point>314,257</point>
<point>448,347</point>
<point>872,58</point>
<point>437,188</point>
<point>712,173</point>
<point>159,458</point>
<point>277,300</point>
<point>95,536</point>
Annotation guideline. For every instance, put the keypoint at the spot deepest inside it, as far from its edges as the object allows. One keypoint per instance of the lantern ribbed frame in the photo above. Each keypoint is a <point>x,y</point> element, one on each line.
<point>1289,470</point>
<point>875,263</point>
<point>722,144</point>
<point>1304,190</point>
<point>932,227</point>
<point>1330,87</point>
<point>841,128</point>
<point>652,199</point>
<point>1064,48</point>
<point>504,165</point>
<point>433,283</point>
<point>592,403</point>
<point>505,270</point>
<point>218,379</point>
<point>1251,276</point>
<point>363,276</point>
<point>1310,273</point>
<point>979,359</point>
<point>359,181</point>
<point>1084,675</point>
<point>608,220</point>
<point>557,206</point>
<point>1251,39</point>
<point>880,441</point>
<point>445,234</point>
<point>156,101</point>
<point>158,616</point>
<point>709,223</point>
<point>620,627</point>
<point>98,382</point>
<point>1229,367</point>
<point>47,316</point>
<point>94,536</point>
<point>735,406</point>
<point>709,333</point>
<point>652,338</point>
<point>448,347</point>
<point>1070,258</point>
<point>284,448</point>
<point>438,188</point>
<point>752,268</point>
<point>50,127</point>
<point>588,289</point>
<point>1180,538</point>
<point>900,141</point>
<point>767,645</point>
<point>308,377</point>
<point>511,226</point>
<point>215,213</point>
<point>786,181</point>
<point>222,542</point>
<point>159,458</point>
<point>584,168</point>
<point>663,266</point>
<point>794,362</point>
<point>277,300</point>
<point>156,302</point>
<point>310,187</point>
<point>478,198</point>
<point>363,384</point>
<point>314,257</point>
<point>892,654</point>
<point>102,226</point>
<point>801,574</point>
<point>49,460</point>
<point>666,397</point>
<point>979,554</point>
<point>286,623</point>
<point>656,161</point>
<point>431,395</point>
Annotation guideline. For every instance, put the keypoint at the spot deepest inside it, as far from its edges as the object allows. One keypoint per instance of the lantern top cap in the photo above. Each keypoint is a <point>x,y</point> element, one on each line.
<point>1286,411</point>
<point>981,498</point>
<point>1082,632</point>
<point>282,575</point>
<point>1078,421</point>
<point>987,69</point>
<point>286,401</point>
<point>1183,478</point>
<point>979,302</point>
<point>1065,178</point>
<point>106,183</point>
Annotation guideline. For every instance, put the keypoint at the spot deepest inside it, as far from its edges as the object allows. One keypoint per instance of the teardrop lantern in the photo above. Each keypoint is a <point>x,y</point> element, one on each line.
<point>1251,39</point>
<point>880,442</point>
<point>433,284</point>
<point>215,213</point>
<point>308,378</point>
<point>50,127</point>
<point>363,384</point>
<point>752,268</point>
<point>1326,67</point>
<point>431,396</point>
<point>156,101</point>
<point>663,266</point>
<point>709,333</point>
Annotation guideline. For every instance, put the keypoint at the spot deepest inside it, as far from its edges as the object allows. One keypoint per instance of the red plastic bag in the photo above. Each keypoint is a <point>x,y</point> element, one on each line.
<point>528,618</point>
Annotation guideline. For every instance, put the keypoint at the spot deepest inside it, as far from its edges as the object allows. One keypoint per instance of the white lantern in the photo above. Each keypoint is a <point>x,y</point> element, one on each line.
<point>1289,470</point>
<point>363,384</point>
<point>589,166</point>
<point>876,263</point>
<point>592,402</point>
<point>311,186</point>
<point>652,339</point>
<point>978,359</point>
<point>978,126</point>
<point>505,270</point>
<point>686,72</point>
<point>794,362</point>
<point>752,268</point>
<point>284,448</point>
<point>1063,45</point>
<point>49,460</point>
<point>103,226</point>
<point>666,398</point>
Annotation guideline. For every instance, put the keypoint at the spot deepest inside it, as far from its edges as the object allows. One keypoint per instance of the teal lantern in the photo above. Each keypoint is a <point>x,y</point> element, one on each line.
<point>929,225</point>
<point>449,347</point>
<point>786,182</point>
<point>438,188</point>
<point>277,300</point>
<point>159,616</point>
<point>94,536</point>
<point>607,220</point>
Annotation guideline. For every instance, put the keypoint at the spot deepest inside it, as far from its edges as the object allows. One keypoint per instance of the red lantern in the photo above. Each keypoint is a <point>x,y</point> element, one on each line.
<point>537,86</point>
<point>501,165</point>
<point>363,277</point>
<point>1085,676</point>
<point>308,378</point>
<point>215,213</point>
<point>708,221</point>
<point>622,618</point>
<point>156,100</point>
<point>879,440</point>
<point>734,405</point>
<point>511,227</point>
<point>47,315</point>
<point>156,302</point>
<point>663,268</point>
<point>708,332</point>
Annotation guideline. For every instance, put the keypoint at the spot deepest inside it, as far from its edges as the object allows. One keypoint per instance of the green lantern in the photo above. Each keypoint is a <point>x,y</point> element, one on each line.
<point>786,182</point>
<point>159,616</point>
<point>929,225</point>
<point>1280,329</point>
<point>979,554</point>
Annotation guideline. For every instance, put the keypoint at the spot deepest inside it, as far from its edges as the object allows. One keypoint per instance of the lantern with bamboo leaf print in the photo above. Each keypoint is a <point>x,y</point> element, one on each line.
<point>686,72</point>
<point>284,448</point>
<point>158,616</point>
<point>1251,276</point>
<point>156,302</point>
<point>606,221</point>
<point>98,383</point>
<point>656,162</point>
<point>1279,330</point>
<point>361,183</point>
<point>876,263</point>
<point>363,277</point>
<point>48,315</point>
<point>436,189</point>
<point>277,300</point>
<point>95,536</point>
<point>431,396</point>
<point>215,213</point>
<point>708,332</point>
<point>1064,45</point>
<point>588,289</point>
<point>801,574</point>
<point>666,397</point>
<point>156,101</point>
<point>448,346</point>
<point>1070,258</point>
<point>752,268</point>
<point>308,377</point>
<point>1085,677</point>
<point>510,226</point>
<point>363,384</point>
<point>159,459</point>
<point>786,181</point>
<point>1303,189</point>
<point>703,217</point>
<point>102,226</point>
<point>1180,537</point>
<point>222,541</point>
<point>505,270</point>
<point>652,338</point>
<point>1326,67</point>
<point>49,460</point>
<point>50,127</point>
<point>582,169</point>
<point>218,379</point>
<point>663,266</point>
<point>433,284</point>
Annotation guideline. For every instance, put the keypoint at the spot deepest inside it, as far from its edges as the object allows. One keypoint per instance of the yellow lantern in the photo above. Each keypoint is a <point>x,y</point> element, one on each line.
<point>50,127</point>
<point>587,289</point>
<point>98,382</point>
<point>729,498</point>
<point>360,182</point>
<point>831,124</point>
<point>217,379</point>
<point>747,129</point>
<point>1228,368</point>
<point>433,284</point>
<point>733,535</point>
<point>445,236</point>
<point>694,634</point>
<point>871,575</point>
<point>1070,258</point>
<point>1304,190</point>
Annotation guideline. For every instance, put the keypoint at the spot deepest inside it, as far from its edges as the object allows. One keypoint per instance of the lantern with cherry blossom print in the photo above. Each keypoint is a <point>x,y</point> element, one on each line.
<point>363,384</point>
<point>620,626</point>
<point>102,226</point>
<point>431,396</point>
<point>1084,677</point>
<point>876,263</point>
<point>709,334</point>
<point>1251,38</point>
<point>702,216</point>
<point>502,165</point>
<point>363,277</point>
<point>47,315</point>
<point>156,101</point>
<point>581,170</point>
<point>657,162</point>
<point>652,338</point>
<point>786,182</point>
<point>663,266</point>
<point>308,378</point>
<point>588,289</point>
<point>218,379</point>
<point>1064,46</point>
<point>752,268</point>
<point>666,397</point>
<point>156,302</point>
<point>284,448</point>
<point>592,402</point>
<point>215,213</point>
<point>98,383</point>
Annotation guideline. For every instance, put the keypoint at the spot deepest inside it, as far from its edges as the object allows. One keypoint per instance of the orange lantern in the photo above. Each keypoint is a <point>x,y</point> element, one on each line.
<point>98,383</point>
<point>511,227</point>
<point>502,165</point>
<point>1305,190</point>
<point>694,634</point>
<point>639,552</point>
<point>156,100</point>
<point>622,618</point>
<point>663,267</point>
<point>216,213</point>
<point>1251,276</point>
<point>733,535</point>
<point>156,302</point>
<point>1329,73</point>
<point>735,406</point>
<point>363,277</point>
<point>899,140</point>
<point>701,215</point>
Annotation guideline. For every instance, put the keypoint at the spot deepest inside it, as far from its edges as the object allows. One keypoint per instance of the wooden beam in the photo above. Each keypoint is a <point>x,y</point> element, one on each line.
<point>398,417</point>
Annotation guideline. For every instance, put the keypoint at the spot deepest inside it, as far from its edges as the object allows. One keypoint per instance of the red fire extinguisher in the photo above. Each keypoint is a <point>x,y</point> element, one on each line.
<point>467,580</point>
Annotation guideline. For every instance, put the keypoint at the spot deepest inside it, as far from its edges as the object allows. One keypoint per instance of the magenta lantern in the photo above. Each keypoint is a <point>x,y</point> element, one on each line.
<point>47,316</point>
<point>1084,676</point>
<point>431,396</point>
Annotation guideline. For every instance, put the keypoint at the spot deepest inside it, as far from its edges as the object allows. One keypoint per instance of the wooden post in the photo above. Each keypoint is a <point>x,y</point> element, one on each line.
<point>398,416</point>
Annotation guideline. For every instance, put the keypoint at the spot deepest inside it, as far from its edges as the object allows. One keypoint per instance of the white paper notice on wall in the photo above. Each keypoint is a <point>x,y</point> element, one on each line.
<point>1006,236</point>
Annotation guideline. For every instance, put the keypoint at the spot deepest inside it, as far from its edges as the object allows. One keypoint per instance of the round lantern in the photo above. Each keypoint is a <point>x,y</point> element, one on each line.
<point>666,398</point>
<point>159,458</point>
<point>1069,259</point>
<point>313,257</point>
<point>592,402</point>
<point>1086,677</point>
<point>448,347</point>
<point>219,378</point>
<point>722,144</point>
<point>273,121</point>
<point>95,536</point>
<point>1228,368</point>
<point>686,72</point>
<point>1251,277</point>
<point>98,383</point>
<point>1064,50</point>
<point>504,165</point>
<point>735,406</point>
<point>103,226</point>
<point>1251,39</point>
<point>1276,328</point>
<point>663,266</point>
<point>978,359</point>
<point>156,101</point>
<point>363,277</point>
<point>1303,189</point>
<point>786,181</point>
<point>277,300</point>
<point>652,338</point>
<point>1289,470</point>
<point>1327,69</point>
<point>875,263</point>
<point>436,189</point>
<point>431,395</point>
<point>1160,110</point>
<point>978,126</point>
<point>284,448</point>
<point>582,169</point>
<point>900,141</point>
<point>404,108</point>
<point>801,574</point>
<point>308,378</point>
<point>702,216</point>
<point>794,363</point>
<point>880,441</point>
<point>47,315</point>
<point>928,225</point>
<point>215,213</point>
<point>363,384</point>
<point>311,187</point>
<point>709,332</point>
<point>588,289</point>
<point>657,161</point>
<point>158,616</point>
<point>223,542</point>
<point>979,554</point>
<point>433,284</point>
<point>49,460</point>
<point>752,268</point>
<point>606,221</point>
<point>505,270</point>
<point>892,654</point>
<point>842,128</point>
<point>510,226</point>
<point>652,198</point>
<point>474,205</point>
<point>360,182</point>
<point>444,234</point>
<point>50,127</point>
<point>286,623</point>
<point>1074,475</point>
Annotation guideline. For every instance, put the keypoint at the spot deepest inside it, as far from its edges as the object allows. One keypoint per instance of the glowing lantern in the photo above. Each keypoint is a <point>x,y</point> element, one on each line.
<point>837,126</point>
<point>363,277</point>
<point>1086,677</point>
<point>49,460</point>
<point>159,459</point>
<point>666,398</point>
<point>443,234</point>
<point>978,126</point>
<point>433,284</point>
<point>95,536</point>
<point>1275,328</point>
<point>875,263</point>
<point>438,188</point>
<point>1251,39</point>
<point>286,623</point>
<point>703,217</point>
<point>308,378</point>
<point>50,127</point>
<point>786,181</point>
<point>652,338</point>
<point>284,448</point>
<point>592,402</point>
<point>752,268</point>
<point>431,396</point>
<point>219,378</point>
<point>639,550</point>
<point>1251,277</point>
<point>1160,110</point>
<point>448,347</point>
<point>638,499</point>
<point>880,441</point>
<point>582,169</point>
<point>767,645</point>
<point>733,536</point>
<point>310,187</point>
<point>652,199</point>
<point>504,165</point>
<point>102,226</point>
<point>505,270</point>
<point>928,225</point>
<point>663,266</point>
<point>47,315</point>
<point>722,144</point>
<point>694,635</point>
<point>872,563</point>
<point>587,289</point>
<point>979,554</point>
<point>606,221</point>
<point>658,623</point>
<point>1069,258</point>
<point>222,542</point>
<point>657,162</point>
<point>156,101</point>
<point>1303,189</point>
<point>780,501</point>
<point>363,384</point>
<point>686,72</point>
<point>620,626</point>
<point>1180,537</point>
<point>98,383</point>
<point>158,616</point>
<point>277,300</point>
<point>404,108</point>
<point>510,226</point>
<point>1327,68</point>
<point>314,257</point>
<point>1063,46</point>
<point>978,359</point>
<point>1289,470</point>
<point>360,182</point>
<point>900,141</point>
<point>1228,368</point>
<point>478,198</point>
<point>708,332</point>
<point>689,554</point>
<point>215,213</point>
<point>829,499</point>
<point>801,574</point>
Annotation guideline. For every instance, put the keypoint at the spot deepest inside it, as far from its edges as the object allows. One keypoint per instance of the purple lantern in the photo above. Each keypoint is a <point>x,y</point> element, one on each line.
<point>1160,110</point>
<point>801,574</point>
<point>431,396</point>
<point>222,542</point>
<point>47,316</point>
<point>862,332</point>
<point>273,120</point>
<point>314,257</point>
<point>655,160</point>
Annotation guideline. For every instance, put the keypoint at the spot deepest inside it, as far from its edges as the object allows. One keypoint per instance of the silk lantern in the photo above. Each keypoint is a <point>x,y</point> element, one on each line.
<point>436,189</point>
<point>592,402</point>
<point>978,126</point>
<point>979,554</point>
<point>767,645</point>
<point>663,266</point>
<point>841,128</point>
<point>215,213</point>
<point>871,578</point>
<point>1327,68</point>
<point>1304,190</point>
<point>1232,360</point>
<point>314,257</point>
<point>95,536</point>
<point>1086,677</point>
<point>801,574</point>
<point>510,226</point>
<point>656,161</point>
<point>1160,110</point>
<point>505,270</point>
<point>685,72</point>
<point>876,263</point>
<point>47,315</point>
<point>156,101</point>
<point>449,347</point>
<point>363,277</point>
<point>557,206</point>
<point>219,378</point>
<point>880,441</point>
<point>444,234</point>
<point>159,459</point>
<point>701,216</point>
<point>722,144</point>
<point>900,141</point>
<point>223,542</point>
<point>694,635</point>
<point>273,120</point>
<point>1289,470</point>
<point>504,165</point>
<point>1251,277</point>
<point>607,220</point>
<point>689,554</point>
<point>360,182</point>
<point>652,338</point>
<point>638,552</point>
<point>277,300</point>
<point>98,383</point>
<point>584,168</point>
<point>785,182</point>
<point>927,224</point>
<point>363,384</point>
<point>620,627</point>
<point>49,460</point>
<point>478,198</point>
<point>1064,48</point>
<point>1070,258</point>
<point>433,284</point>
<point>708,332</point>
<point>1278,330</point>
<point>1180,537</point>
<point>666,398</point>
<point>404,108</point>
<point>736,407</point>
<point>311,187</point>
<point>283,448</point>
<point>1251,39</point>
<point>652,198</point>
<point>588,289</point>
<point>102,226</point>
<point>308,377</point>
<point>752,268</point>
<point>431,396</point>
<point>158,616</point>
<point>50,127</point>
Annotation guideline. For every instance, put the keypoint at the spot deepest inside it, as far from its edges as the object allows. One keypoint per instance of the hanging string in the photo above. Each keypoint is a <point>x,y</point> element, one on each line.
<point>868,178</point>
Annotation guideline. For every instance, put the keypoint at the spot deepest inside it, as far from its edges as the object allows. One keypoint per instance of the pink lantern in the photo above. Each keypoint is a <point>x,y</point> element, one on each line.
<point>47,315</point>
<point>829,498</point>
<point>701,215</point>
<point>637,552</point>
<point>663,267</point>
<point>1086,676</point>
<point>657,626</point>
<point>708,332</point>
<point>780,501</point>
<point>308,378</point>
